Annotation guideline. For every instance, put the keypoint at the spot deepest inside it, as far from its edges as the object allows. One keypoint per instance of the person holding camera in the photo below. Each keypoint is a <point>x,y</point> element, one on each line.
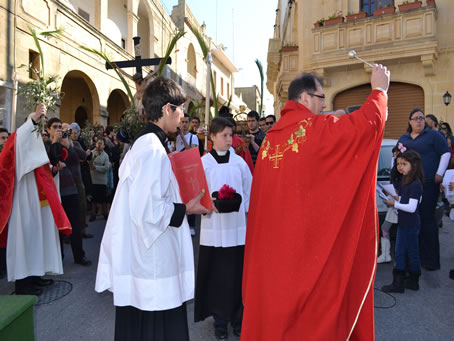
<point>67,162</point>
<point>99,167</point>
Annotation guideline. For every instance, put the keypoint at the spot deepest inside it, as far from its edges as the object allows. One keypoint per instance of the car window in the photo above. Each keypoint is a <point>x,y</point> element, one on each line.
<point>384,163</point>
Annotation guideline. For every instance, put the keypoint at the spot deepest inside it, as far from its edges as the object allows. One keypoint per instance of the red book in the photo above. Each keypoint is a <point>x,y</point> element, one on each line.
<point>188,170</point>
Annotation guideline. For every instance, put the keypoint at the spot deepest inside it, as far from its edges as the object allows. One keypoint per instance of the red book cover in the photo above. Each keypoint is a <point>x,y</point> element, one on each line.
<point>188,170</point>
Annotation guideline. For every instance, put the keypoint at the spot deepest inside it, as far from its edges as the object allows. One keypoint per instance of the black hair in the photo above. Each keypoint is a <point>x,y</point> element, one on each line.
<point>224,111</point>
<point>253,114</point>
<point>448,128</point>
<point>433,118</point>
<point>416,172</point>
<point>109,129</point>
<point>158,93</point>
<point>52,121</point>
<point>305,82</point>
<point>3,130</point>
<point>231,120</point>
<point>262,119</point>
<point>272,117</point>
<point>409,129</point>
<point>195,118</point>
<point>218,124</point>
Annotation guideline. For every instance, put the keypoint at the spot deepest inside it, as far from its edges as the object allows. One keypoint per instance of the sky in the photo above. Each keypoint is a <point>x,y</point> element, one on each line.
<point>244,27</point>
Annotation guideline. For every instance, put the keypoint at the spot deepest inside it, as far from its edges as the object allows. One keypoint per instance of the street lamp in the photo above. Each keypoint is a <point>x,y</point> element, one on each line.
<point>447,98</point>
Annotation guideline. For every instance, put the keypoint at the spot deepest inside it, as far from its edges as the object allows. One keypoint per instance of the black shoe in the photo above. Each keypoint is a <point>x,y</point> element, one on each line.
<point>237,331</point>
<point>25,287</point>
<point>398,282</point>
<point>84,261</point>
<point>87,235</point>
<point>41,282</point>
<point>412,282</point>
<point>221,333</point>
<point>92,218</point>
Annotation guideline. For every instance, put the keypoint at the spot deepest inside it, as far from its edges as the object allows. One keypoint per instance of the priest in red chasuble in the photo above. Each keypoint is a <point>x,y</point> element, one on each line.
<point>311,242</point>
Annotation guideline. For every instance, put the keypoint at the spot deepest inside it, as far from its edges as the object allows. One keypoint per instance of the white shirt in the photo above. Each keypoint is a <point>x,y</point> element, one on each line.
<point>226,229</point>
<point>190,138</point>
<point>145,262</point>
<point>33,246</point>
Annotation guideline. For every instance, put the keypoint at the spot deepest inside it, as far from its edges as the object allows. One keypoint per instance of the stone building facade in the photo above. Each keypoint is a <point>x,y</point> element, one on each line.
<point>91,92</point>
<point>415,44</point>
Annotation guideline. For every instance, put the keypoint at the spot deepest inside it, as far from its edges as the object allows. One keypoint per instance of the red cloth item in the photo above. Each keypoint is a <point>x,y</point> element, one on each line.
<point>311,240</point>
<point>46,190</point>
<point>242,150</point>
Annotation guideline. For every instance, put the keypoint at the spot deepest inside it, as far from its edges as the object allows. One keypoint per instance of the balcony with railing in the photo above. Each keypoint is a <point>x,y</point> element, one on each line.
<point>383,37</point>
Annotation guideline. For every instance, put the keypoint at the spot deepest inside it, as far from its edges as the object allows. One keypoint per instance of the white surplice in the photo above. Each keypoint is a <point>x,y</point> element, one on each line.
<point>33,246</point>
<point>226,229</point>
<point>145,262</point>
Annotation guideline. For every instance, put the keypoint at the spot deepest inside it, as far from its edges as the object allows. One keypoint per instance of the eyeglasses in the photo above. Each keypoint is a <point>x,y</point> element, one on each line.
<point>178,106</point>
<point>269,123</point>
<point>419,118</point>
<point>322,97</point>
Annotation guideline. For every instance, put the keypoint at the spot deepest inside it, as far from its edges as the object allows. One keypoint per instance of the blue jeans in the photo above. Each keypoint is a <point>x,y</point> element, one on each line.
<point>407,242</point>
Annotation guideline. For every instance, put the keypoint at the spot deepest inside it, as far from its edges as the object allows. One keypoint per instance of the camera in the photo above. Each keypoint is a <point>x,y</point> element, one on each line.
<point>66,133</point>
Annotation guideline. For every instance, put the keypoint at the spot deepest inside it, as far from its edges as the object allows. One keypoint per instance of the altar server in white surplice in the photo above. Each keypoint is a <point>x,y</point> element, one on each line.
<point>146,256</point>
<point>222,234</point>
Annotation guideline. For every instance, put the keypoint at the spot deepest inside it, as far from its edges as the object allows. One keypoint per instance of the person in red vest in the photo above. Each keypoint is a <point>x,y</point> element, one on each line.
<point>311,238</point>
<point>30,210</point>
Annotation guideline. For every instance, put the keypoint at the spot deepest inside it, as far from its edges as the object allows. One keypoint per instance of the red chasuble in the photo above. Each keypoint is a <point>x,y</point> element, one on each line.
<point>47,191</point>
<point>311,241</point>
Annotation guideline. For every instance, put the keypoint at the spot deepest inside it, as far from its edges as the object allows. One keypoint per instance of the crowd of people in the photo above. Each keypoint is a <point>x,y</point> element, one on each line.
<point>246,269</point>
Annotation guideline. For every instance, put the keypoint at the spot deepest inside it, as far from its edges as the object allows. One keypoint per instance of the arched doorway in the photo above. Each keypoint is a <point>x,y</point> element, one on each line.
<point>402,99</point>
<point>81,117</point>
<point>145,29</point>
<point>116,105</point>
<point>192,65</point>
<point>80,95</point>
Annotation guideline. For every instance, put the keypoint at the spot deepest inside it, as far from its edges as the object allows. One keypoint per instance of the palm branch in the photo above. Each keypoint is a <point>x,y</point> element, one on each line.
<point>262,79</point>
<point>205,51</point>
<point>169,50</point>
<point>104,56</point>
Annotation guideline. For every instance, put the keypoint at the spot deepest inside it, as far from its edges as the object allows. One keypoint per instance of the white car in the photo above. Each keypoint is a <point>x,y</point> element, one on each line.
<point>384,173</point>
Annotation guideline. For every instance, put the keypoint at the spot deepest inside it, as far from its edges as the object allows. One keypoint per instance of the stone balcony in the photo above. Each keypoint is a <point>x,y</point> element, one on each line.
<point>397,36</point>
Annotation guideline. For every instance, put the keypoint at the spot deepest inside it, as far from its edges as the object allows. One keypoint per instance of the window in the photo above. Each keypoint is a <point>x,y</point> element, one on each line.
<point>214,80</point>
<point>228,90</point>
<point>123,43</point>
<point>222,86</point>
<point>368,6</point>
<point>34,64</point>
<point>84,14</point>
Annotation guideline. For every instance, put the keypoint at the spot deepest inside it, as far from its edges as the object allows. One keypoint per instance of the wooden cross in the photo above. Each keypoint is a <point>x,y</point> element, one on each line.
<point>276,157</point>
<point>138,62</point>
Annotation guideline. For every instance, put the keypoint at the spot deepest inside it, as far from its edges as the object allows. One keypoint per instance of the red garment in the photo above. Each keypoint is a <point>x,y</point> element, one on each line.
<point>311,240</point>
<point>47,191</point>
<point>242,150</point>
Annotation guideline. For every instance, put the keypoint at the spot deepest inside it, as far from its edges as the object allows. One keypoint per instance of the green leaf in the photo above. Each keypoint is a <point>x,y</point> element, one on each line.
<point>104,56</point>
<point>169,50</point>
<point>262,81</point>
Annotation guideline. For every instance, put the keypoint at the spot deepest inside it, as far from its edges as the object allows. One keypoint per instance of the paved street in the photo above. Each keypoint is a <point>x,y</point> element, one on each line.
<point>85,315</point>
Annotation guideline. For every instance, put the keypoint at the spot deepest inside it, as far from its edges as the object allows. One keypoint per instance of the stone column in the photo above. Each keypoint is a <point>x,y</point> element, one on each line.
<point>133,19</point>
<point>101,10</point>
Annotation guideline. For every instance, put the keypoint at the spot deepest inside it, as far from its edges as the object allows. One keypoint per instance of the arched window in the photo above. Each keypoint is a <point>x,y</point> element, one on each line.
<point>192,65</point>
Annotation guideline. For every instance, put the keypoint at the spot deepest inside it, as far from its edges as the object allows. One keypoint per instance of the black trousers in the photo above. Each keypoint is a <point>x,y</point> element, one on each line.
<point>429,244</point>
<point>166,325</point>
<point>70,204</point>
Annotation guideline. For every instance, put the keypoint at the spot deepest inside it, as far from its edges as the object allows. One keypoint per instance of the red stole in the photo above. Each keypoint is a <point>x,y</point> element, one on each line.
<point>47,191</point>
<point>311,240</point>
